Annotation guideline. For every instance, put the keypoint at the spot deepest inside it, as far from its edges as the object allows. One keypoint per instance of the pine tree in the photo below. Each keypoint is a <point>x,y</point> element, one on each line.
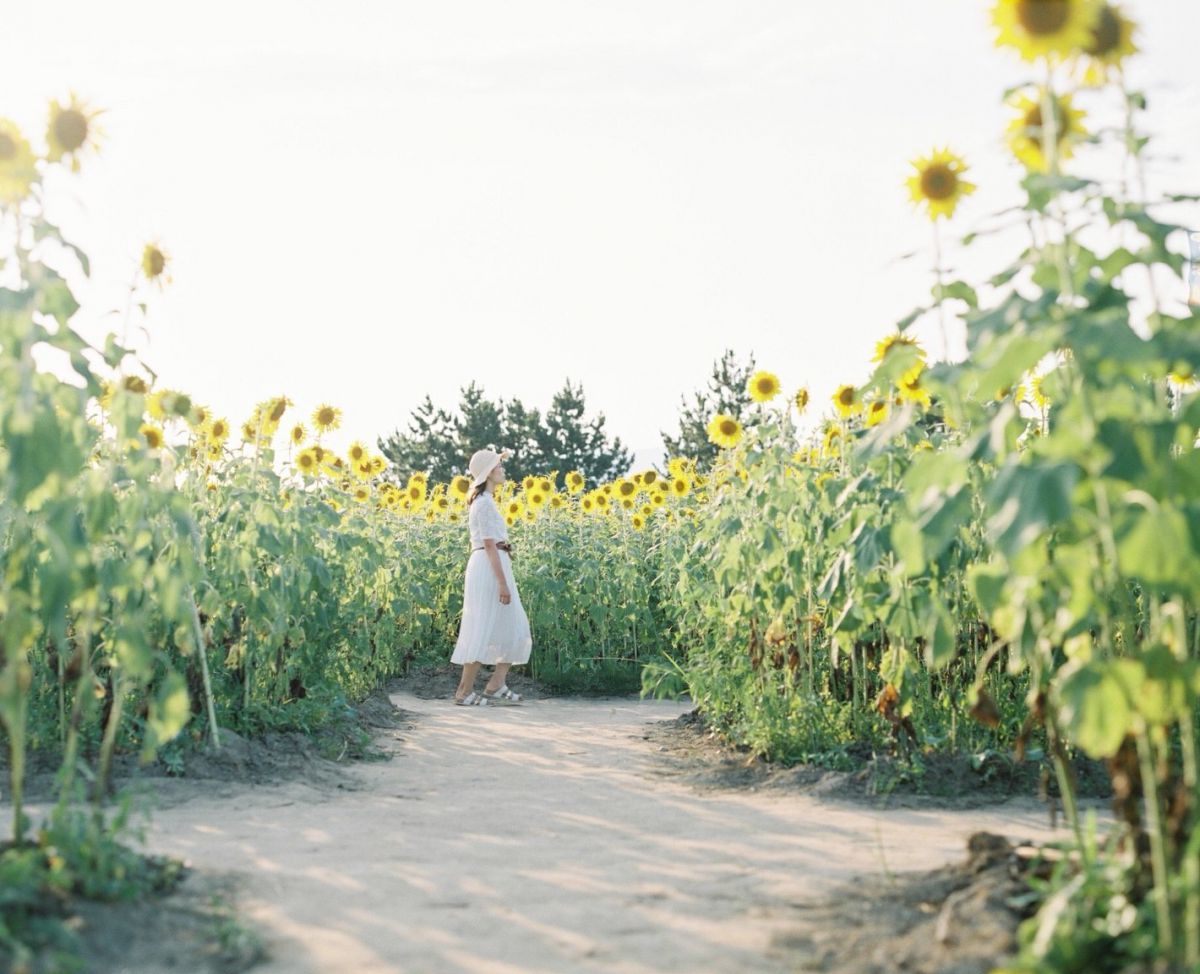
<point>726,393</point>
<point>568,442</point>
<point>441,443</point>
<point>431,443</point>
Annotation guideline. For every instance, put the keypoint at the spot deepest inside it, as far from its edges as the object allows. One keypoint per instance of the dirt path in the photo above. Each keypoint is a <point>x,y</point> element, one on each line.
<point>540,838</point>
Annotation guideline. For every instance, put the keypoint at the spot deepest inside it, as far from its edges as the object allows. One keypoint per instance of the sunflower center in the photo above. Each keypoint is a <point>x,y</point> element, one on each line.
<point>846,396</point>
<point>156,262</point>
<point>938,182</point>
<point>1043,16</point>
<point>728,427</point>
<point>8,147</point>
<point>71,129</point>
<point>1106,35</point>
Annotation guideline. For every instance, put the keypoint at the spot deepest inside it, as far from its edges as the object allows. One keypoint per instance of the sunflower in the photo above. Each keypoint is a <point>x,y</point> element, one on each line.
<point>277,407</point>
<point>155,261</point>
<point>155,406</point>
<point>362,493</point>
<point>528,482</point>
<point>680,486</point>
<point>938,182</point>
<point>638,522</point>
<point>17,170</point>
<point>1032,394</point>
<point>416,477</point>
<point>649,477</point>
<point>628,503</point>
<point>763,386</point>
<point>877,412</point>
<point>415,490</point>
<point>911,388</point>
<point>626,488</point>
<point>897,340</point>
<point>1112,42</point>
<point>298,434</point>
<point>307,462</point>
<point>545,486</point>
<point>70,131</point>
<point>658,498</point>
<point>602,501</point>
<point>199,416</point>
<point>800,399</point>
<point>575,482</point>
<point>326,418</point>
<point>214,451</point>
<point>1045,28</point>
<point>460,485</point>
<point>1025,135</point>
<point>379,465</point>
<point>536,498</point>
<point>724,431</point>
<point>832,441</point>
<point>530,514</point>
<point>556,501</point>
<point>847,400</point>
<point>153,435</point>
<point>587,505</point>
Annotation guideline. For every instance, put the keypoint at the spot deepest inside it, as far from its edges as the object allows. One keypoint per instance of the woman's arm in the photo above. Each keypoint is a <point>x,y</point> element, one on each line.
<point>493,557</point>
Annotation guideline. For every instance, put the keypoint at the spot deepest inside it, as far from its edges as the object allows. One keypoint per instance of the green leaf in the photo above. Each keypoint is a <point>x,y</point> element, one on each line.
<point>168,713</point>
<point>1027,501</point>
<point>1094,707</point>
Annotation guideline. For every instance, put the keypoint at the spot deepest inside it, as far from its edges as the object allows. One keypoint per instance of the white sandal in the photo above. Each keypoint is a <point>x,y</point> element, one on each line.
<point>504,694</point>
<point>472,699</point>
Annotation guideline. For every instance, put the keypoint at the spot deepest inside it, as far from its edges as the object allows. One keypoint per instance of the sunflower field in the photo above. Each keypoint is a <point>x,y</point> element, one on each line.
<point>996,554</point>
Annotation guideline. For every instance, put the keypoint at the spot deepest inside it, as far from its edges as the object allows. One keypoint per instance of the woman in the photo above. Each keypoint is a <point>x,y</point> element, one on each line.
<point>495,629</point>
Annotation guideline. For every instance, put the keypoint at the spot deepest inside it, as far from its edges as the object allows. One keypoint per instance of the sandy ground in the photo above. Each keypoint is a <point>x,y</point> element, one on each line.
<point>544,838</point>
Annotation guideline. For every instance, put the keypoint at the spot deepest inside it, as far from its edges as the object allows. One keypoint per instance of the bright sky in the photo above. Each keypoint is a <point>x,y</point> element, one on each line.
<point>368,201</point>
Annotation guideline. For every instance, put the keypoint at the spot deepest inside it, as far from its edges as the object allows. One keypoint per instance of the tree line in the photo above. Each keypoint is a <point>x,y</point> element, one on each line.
<point>439,441</point>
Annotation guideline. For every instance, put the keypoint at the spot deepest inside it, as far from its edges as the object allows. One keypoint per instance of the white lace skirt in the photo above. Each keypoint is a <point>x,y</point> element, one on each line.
<point>491,632</point>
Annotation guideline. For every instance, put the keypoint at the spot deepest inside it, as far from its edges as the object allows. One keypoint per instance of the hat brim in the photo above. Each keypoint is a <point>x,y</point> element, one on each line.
<point>503,455</point>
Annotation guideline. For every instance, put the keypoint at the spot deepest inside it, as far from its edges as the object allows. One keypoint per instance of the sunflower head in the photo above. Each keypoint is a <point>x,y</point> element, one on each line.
<point>626,488</point>
<point>575,482</point>
<point>724,431</point>
<point>800,399</point>
<point>18,172</point>
<point>1028,135</point>
<point>877,412</point>
<point>298,434</point>
<point>763,386</point>
<point>154,264</point>
<point>897,342</point>
<point>938,183</point>
<point>638,521</point>
<point>1045,28</point>
<point>326,418</point>
<point>1112,42</point>
<point>71,131</point>
<point>460,485</point>
<point>912,389</point>
<point>680,486</point>
<point>847,401</point>
<point>153,435</point>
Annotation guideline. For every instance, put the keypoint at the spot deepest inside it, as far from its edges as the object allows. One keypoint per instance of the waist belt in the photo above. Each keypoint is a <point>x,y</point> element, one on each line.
<point>501,545</point>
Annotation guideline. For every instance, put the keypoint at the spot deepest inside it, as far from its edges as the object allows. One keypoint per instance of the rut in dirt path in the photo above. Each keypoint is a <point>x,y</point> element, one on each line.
<point>543,839</point>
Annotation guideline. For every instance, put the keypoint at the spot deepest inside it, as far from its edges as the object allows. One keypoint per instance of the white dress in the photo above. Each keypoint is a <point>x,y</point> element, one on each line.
<point>490,632</point>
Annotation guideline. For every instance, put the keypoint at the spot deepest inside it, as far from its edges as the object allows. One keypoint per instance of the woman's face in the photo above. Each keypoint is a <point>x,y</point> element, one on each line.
<point>497,475</point>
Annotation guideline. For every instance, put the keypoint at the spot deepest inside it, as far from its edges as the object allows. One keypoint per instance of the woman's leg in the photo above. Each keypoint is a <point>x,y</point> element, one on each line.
<point>498,678</point>
<point>467,683</point>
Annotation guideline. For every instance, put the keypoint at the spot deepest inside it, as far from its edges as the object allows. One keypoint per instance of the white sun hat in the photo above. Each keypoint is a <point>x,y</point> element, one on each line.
<point>483,462</point>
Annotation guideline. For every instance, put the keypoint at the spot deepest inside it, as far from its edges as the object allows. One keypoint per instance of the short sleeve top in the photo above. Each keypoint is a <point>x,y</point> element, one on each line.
<point>484,521</point>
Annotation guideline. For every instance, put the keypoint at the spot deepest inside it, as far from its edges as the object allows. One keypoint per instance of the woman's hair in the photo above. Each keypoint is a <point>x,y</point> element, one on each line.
<point>476,491</point>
